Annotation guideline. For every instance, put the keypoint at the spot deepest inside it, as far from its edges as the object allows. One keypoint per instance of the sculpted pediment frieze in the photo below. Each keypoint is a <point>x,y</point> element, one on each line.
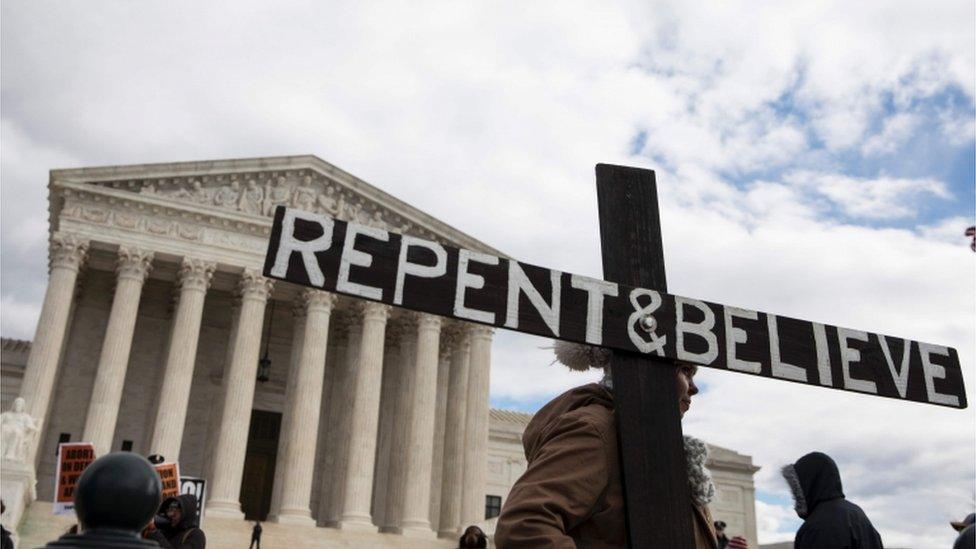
<point>259,193</point>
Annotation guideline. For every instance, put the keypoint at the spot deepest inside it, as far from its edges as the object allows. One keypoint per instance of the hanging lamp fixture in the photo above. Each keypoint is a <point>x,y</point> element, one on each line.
<point>264,365</point>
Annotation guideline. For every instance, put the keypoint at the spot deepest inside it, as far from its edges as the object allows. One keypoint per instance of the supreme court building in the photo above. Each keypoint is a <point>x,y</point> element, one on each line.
<point>337,420</point>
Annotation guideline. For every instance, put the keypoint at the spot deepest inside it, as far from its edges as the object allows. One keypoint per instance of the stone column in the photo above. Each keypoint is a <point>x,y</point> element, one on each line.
<point>239,379</point>
<point>340,414</point>
<point>217,394</point>
<point>303,407</point>
<point>193,280</point>
<point>448,338</point>
<point>103,408</point>
<point>365,416</point>
<point>476,429</point>
<point>67,254</point>
<point>294,358</point>
<point>333,358</point>
<point>397,358</point>
<point>453,467</point>
<point>414,518</point>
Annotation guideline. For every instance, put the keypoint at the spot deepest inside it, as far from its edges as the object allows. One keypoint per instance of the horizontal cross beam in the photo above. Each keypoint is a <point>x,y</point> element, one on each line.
<point>406,271</point>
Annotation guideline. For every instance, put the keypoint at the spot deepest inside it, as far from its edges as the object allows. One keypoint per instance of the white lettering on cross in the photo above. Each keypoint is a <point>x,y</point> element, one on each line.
<point>404,267</point>
<point>933,371</point>
<point>823,354</point>
<point>467,280</point>
<point>779,368</point>
<point>849,355</point>
<point>656,344</point>
<point>899,377</point>
<point>734,336</point>
<point>519,283</point>
<point>595,290</point>
<point>352,256</point>
<point>288,244</point>
<point>704,330</point>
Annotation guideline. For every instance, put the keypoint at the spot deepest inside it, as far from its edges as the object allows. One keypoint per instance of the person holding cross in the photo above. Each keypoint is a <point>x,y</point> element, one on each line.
<point>571,493</point>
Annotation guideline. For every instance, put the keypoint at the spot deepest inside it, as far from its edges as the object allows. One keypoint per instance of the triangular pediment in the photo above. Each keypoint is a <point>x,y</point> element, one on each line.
<point>255,187</point>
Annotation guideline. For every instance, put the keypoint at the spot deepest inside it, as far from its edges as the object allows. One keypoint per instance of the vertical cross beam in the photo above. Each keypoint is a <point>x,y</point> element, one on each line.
<point>652,453</point>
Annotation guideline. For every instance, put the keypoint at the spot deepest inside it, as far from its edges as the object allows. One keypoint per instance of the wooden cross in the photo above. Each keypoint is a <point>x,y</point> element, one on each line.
<point>630,312</point>
<point>652,452</point>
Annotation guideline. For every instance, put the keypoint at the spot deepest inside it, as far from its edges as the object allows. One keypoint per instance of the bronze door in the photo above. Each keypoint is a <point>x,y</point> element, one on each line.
<point>257,482</point>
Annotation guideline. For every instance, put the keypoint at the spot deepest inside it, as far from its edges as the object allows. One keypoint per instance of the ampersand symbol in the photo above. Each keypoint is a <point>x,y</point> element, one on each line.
<point>642,316</point>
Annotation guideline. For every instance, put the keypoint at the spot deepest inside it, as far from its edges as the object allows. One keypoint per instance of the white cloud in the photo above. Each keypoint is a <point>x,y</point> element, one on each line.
<point>895,131</point>
<point>878,198</point>
<point>951,230</point>
<point>775,523</point>
<point>490,117</point>
<point>19,318</point>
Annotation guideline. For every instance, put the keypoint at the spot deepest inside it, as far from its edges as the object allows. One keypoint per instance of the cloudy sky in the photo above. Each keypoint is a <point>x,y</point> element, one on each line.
<point>814,159</point>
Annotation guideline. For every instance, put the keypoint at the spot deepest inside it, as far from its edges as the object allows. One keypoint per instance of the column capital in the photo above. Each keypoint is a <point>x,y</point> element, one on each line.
<point>195,274</point>
<point>133,263</point>
<point>318,300</point>
<point>426,321</point>
<point>254,286</point>
<point>371,310</point>
<point>451,331</point>
<point>480,331</point>
<point>449,338</point>
<point>67,251</point>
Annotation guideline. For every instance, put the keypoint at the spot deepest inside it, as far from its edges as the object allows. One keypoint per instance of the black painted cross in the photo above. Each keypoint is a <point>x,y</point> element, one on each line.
<point>629,312</point>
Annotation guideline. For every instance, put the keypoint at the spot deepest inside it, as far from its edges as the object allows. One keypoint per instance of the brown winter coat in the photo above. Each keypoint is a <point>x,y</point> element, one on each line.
<point>570,495</point>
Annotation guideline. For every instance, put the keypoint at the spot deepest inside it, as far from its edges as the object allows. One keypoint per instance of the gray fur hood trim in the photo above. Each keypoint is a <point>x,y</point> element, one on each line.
<point>793,481</point>
<point>699,479</point>
<point>579,357</point>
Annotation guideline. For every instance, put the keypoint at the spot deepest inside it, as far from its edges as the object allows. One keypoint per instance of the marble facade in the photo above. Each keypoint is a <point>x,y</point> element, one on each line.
<point>156,315</point>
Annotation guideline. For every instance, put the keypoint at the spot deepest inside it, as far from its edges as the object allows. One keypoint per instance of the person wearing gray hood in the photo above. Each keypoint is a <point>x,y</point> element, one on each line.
<point>829,520</point>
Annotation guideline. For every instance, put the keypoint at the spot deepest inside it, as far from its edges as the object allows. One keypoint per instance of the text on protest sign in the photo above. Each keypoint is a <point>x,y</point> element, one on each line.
<point>73,459</point>
<point>196,487</point>
<point>367,262</point>
<point>169,474</point>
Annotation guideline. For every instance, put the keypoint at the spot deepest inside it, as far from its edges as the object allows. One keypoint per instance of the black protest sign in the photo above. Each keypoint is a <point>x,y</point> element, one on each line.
<point>406,271</point>
<point>197,487</point>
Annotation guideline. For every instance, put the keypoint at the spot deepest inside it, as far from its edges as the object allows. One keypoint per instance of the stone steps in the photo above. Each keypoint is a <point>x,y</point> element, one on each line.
<point>41,526</point>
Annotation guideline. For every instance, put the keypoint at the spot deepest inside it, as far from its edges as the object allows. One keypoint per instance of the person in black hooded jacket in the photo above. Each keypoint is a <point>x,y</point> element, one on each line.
<point>830,521</point>
<point>182,532</point>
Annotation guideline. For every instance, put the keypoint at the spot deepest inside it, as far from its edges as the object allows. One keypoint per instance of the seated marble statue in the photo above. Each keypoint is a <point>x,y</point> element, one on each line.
<point>17,428</point>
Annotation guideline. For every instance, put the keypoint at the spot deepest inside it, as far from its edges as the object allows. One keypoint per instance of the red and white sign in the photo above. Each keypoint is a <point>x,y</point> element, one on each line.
<point>73,459</point>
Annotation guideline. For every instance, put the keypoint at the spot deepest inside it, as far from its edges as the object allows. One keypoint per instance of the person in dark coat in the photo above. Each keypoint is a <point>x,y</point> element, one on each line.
<point>181,530</point>
<point>473,538</point>
<point>829,520</point>
<point>6,541</point>
<point>967,532</point>
<point>256,535</point>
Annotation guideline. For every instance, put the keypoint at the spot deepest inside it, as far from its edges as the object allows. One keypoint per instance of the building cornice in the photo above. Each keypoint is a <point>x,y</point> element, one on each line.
<point>104,177</point>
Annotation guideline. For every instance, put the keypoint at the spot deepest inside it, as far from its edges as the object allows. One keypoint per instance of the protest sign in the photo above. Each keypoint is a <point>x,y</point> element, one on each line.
<point>406,271</point>
<point>196,487</point>
<point>73,459</point>
<point>169,474</point>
